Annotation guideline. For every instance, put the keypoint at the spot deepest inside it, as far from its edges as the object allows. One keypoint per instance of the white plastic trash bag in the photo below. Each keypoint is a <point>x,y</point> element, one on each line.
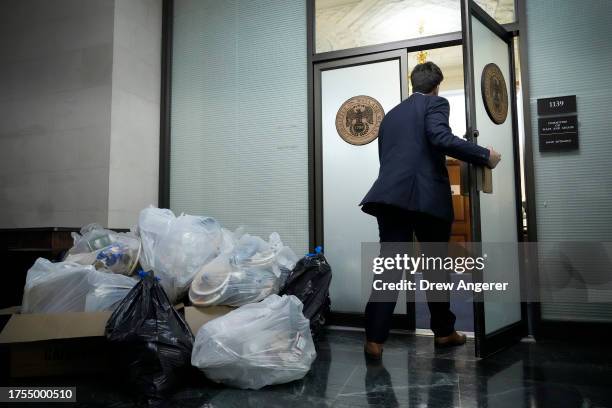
<point>256,345</point>
<point>247,270</point>
<point>153,224</point>
<point>175,248</point>
<point>190,243</point>
<point>56,287</point>
<point>105,249</point>
<point>107,290</point>
<point>71,287</point>
<point>92,237</point>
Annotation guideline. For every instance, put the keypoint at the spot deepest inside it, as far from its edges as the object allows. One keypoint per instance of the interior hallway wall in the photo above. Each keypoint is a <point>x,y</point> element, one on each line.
<point>239,138</point>
<point>134,134</point>
<point>569,53</point>
<point>55,101</point>
<point>79,111</point>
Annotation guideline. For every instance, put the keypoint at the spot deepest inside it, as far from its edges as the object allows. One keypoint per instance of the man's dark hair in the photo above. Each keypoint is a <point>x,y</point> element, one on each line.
<point>425,77</point>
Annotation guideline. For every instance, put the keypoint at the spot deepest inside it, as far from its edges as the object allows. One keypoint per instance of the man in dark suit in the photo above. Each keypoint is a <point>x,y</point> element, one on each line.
<point>412,193</point>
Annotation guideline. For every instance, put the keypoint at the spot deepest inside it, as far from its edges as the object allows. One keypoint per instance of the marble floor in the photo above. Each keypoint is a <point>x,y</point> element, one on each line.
<point>412,374</point>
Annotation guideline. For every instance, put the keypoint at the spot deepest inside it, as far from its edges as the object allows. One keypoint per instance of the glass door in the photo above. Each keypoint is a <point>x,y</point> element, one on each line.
<point>351,97</point>
<point>499,316</point>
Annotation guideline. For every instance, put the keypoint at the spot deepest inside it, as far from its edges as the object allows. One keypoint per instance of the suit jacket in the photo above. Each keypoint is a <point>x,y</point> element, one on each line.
<point>413,142</point>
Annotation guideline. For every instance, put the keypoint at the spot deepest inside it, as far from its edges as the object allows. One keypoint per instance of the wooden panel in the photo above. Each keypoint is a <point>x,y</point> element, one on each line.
<point>459,208</point>
<point>454,172</point>
<point>457,238</point>
<point>460,231</point>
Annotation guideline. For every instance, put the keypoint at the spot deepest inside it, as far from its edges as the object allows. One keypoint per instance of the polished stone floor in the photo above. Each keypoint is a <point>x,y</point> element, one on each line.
<point>412,374</point>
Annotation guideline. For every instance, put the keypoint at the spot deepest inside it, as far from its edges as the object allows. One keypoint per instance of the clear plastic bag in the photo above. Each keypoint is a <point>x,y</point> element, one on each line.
<point>256,345</point>
<point>247,270</point>
<point>107,290</point>
<point>190,243</point>
<point>175,248</point>
<point>56,287</point>
<point>105,249</point>
<point>153,224</point>
<point>71,287</point>
<point>92,237</point>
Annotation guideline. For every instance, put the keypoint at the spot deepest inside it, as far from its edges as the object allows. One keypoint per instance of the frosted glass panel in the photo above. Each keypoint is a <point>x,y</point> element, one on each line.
<point>497,210</point>
<point>348,173</point>
<point>239,139</point>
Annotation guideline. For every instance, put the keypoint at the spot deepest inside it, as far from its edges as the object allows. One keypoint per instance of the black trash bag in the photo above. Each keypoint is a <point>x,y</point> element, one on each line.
<point>309,281</point>
<point>151,340</point>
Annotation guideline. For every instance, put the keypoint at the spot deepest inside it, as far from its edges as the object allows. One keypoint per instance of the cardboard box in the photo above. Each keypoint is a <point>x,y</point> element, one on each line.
<point>56,344</point>
<point>197,317</point>
<point>71,343</point>
<point>487,181</point>
<point>484,179</point>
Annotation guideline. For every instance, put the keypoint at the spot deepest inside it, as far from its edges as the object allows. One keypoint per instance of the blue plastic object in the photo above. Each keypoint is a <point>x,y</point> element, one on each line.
<point>318,250</point>
<point>144,274</point>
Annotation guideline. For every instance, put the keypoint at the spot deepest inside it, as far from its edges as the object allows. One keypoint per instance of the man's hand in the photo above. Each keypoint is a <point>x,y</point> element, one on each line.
<point>494,158</point>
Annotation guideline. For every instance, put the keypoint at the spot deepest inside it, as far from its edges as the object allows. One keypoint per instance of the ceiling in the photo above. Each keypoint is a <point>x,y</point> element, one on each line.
<point>344,24</point>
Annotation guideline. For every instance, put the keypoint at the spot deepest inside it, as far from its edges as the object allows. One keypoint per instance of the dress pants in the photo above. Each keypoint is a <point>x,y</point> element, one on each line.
<point>397,225</point>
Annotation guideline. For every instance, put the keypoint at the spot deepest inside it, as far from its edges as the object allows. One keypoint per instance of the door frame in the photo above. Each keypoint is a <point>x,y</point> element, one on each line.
<point>400,321</point>
<point>487,344</point>
<point>334,57</point>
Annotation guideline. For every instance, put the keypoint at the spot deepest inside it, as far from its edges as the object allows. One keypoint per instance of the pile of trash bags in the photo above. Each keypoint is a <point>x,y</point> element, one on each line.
<point>266,340</point>
<point>216,266</point>
<point>232,268</point>
<point>256,345</point>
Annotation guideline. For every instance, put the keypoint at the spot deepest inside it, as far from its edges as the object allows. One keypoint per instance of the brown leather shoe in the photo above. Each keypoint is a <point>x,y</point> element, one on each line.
<point>452,340</point>
<point>373,350</point>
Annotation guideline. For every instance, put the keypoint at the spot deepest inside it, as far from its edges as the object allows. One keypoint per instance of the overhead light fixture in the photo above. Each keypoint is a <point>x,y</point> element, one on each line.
<point>421,56</point>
